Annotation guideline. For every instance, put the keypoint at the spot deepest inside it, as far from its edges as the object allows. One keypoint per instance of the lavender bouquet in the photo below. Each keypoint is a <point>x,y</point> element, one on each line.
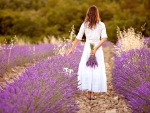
<point>92,59</point>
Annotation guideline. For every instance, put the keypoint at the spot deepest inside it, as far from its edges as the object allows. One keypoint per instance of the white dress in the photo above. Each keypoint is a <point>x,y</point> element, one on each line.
<point>92,79</point>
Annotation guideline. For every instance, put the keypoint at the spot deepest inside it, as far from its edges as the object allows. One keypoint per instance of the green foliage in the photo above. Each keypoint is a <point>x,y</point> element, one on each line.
<point>38,18</point>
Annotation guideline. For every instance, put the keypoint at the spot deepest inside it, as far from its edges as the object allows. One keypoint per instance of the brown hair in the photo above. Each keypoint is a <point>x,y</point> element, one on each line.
<point>92,16</point>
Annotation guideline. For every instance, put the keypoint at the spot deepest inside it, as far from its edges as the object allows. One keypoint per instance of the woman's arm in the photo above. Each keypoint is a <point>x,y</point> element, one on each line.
<point>99,45</point>
<point>73,46</point>
<point>77,39</point>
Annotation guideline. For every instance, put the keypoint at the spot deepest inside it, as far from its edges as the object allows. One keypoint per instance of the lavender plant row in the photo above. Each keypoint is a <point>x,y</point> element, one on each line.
<point>44,88</point>
<point>147,41</point>
<point>19,55</point>
<point>131,78</point>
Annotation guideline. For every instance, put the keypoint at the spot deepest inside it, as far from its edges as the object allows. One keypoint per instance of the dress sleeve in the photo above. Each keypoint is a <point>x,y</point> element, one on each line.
<point>103,33</point>
<point>81,32</point>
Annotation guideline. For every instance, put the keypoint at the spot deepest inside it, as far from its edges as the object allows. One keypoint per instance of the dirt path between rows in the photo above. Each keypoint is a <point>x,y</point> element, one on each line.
<point>108,102</point>
<point>13,73</point>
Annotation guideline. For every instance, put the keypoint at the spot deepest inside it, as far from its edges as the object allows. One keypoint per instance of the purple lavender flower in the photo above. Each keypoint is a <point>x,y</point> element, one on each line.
<point>147,41</point>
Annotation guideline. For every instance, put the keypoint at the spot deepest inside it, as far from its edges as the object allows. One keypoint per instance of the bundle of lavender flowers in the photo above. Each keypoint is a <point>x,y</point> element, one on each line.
<point>92,59</point>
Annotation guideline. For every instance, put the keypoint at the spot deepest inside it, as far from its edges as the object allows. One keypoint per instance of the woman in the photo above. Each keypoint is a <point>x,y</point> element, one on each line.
<point>92,79</point>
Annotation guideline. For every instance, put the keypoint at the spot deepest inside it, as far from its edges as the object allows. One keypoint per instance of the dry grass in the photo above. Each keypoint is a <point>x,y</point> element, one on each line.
<point>65,47</point>
<point>129,39</point>
<point>19,41</point>
<point>50,39</point>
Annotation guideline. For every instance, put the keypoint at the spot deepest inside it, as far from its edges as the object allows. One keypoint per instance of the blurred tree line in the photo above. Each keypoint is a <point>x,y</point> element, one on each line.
<point>34,19</point>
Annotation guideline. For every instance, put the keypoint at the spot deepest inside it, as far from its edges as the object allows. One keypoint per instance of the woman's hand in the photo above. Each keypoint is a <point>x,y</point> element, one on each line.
<point>93,52</point>
<point>73,46</point>
<point>70,52</point>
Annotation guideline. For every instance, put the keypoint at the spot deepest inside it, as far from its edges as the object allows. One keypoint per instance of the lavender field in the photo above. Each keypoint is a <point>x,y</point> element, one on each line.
<point>38,76</point>
<point>46,80</point>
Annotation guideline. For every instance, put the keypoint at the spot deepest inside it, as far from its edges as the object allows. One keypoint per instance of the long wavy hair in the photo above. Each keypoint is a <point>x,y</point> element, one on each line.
<point>92,16</point>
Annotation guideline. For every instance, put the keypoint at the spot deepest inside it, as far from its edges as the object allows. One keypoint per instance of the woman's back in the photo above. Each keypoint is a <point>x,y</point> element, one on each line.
<point>92,35</point>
